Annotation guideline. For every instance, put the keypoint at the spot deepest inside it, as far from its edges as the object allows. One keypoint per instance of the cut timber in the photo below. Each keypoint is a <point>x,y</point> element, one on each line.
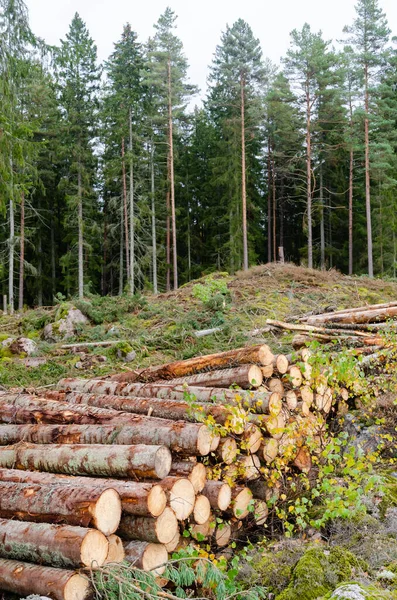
<point>153,407</point>
<point>179,436</point>
<point>137,498</point>
<point>202,532</point>
<point>61,504</point>
<point>202,509</point>
<point>275,425</point>
<point>294,377</point>
<point>167,391</point>
<point>307,395</point>
<point>91,345</point>
<point>161,530</point>
<point>194,471</point>
<point>25,579</point>
<point>62,546</point>
<point>303,460</point>
<point>275,385</point>
<point>364,314</point>
<point>249,467</point>
<point>95,459</point>
<point>180,495</point>
<point>241,500</point>
<point>219,494</point>
<point>275,403</point>
<point>252,438</point>
<point>222,535</point>
<point>261,355</point>
<point>116,552</point>
<point>267,371</point>
<point>246,376</point>
<point>291,399</point>
<point>281,364</point>
<point>146,556</point>
<point>269,450</point>
<point>265,492</point>
<point>173,544</point>
<point>261,512</point>
<point>227,450</point>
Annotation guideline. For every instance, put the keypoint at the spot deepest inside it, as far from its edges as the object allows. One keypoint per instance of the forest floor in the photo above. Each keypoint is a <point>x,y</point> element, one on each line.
<point>354,558</point>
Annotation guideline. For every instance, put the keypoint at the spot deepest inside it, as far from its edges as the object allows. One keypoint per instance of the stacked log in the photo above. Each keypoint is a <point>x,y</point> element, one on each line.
<point>121,460</point>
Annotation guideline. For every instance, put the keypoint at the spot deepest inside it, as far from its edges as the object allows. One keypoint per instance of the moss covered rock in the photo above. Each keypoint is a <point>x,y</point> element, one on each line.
<point>354,591</point>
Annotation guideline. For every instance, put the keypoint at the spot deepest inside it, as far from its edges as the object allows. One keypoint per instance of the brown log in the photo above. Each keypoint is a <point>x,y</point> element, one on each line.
<point>202,532</point>
<point>180,495</point>
<point>202,509</point>
<point>222,535</point>
<point>173,544</point>
<point>219,494</point>
<point>61,504</point>
<point>90,459</point>
<point>153,407</point>
<point>116,552</point>
<point>248,467</point>
<point>261,355</point>
<point>267,371</point>
<point>312,329</point>
<point>364,314</point>
<point>227,450</point>
<point>246,376</point>
<point>281,364</point>
<point>195,472</point>
<point>293,377</point>
<point>263,491</point>
<point>276,385</point>
<point>137,498</point>
<point>241,500</point>
<point>161,530</point>
<point>303,460</point>
<point>25,579</point>
<point>181,437</point>
<point>252,438</point>
<point>61,546</point>
<point>291,399</point>
<point>269,450</point>
<point>275,425</point>
<point>147,556</point>
<point>261,512</point>
<point>167,391</point>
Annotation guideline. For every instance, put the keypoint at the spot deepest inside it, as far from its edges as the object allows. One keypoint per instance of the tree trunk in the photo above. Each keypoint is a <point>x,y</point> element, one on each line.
<point>243,176</point>
<point>219,494</point>
<point>172,183</point>
<point>168,242</point>
<point>187,439</point>
<point>154,241</point>
<point>80,228</point>
<point>246,376</point>
<point>71,505</point>
<point>121,251</point>
<point>21,253</point>
<point>53,262</point>
<point>261,355</point>
<point>24,579</point>
<point>367,177</point>
<point>39,264</point>
<point>11,243</point>
<point>309,180</point>
<point>274,210</point>
<point>322,234</point>
<point>116,552</point>
<point>90,459</point>
<point>127,253</point>
<point>194,471</point>
<point>132,214</point>
<point>241,499</point>
<point>180,496</point>
<point>55,545</point>
<point>269,204</point>
<point>137,498</point>
<point>146,556</point>
<point>161,530</point>
<point>351,167</point>
<point>202,510</point>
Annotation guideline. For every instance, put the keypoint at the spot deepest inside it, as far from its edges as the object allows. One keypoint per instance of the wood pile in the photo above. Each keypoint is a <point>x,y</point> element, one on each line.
<point>104,470</point>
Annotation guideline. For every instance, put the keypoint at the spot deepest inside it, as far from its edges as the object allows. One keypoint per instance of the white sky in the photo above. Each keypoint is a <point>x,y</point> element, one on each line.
<point>200,22</point>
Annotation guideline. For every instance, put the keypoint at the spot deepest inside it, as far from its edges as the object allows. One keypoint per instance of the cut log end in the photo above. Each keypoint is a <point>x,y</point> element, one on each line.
<point>282,364</point>
<point>107,512</point>
<point>223,533</point>
<point>198,477</point>
<point>94,549</point>
<point>253,438</point>
<point>241,501</point>
<point>182,499</point>
<point>174,543</point>
<point>206,440</point>
<point>227,450</point>
<point>157,500</point>
<point>77,588</point>
<point>163,462</point>
<point>261,512</point>
<point>255,376</point>
<point>147,556</point>
<point>116,553</point>
<point>166,526</point>
<point>202,510</point>
<point>270,450</point>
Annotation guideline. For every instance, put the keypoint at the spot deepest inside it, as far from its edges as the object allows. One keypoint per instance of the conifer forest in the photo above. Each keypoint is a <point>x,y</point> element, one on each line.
<point>118,177</point>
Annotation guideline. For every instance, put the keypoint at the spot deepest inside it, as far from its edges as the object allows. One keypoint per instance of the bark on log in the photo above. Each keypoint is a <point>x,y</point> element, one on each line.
<point>94,459</point>
<point>246,376</point>
<point>195,472</point>
<point>180,437</point>
<point>159,531</point>
<point>137,498</point>
<point>181,496</point>
<point>219,494</point>
<point>61,546</point>
<point>25,579</point>
<point>61,504</point>
<point>146,556</point>
<point>261,355</point>
<point>369,314</point>
<point>264,492</point>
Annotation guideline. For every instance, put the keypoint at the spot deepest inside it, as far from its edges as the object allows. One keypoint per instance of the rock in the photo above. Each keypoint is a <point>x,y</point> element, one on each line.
<point>65,328</point>
<point>23,346</point>
<point>354,591</point>
<point>7,342</point>
<point>34,362</point>
<point>131,356</point>
<point>367,439</point>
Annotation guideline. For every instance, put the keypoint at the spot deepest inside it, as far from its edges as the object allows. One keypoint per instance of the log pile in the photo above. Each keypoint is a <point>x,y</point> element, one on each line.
<point>104,470</point>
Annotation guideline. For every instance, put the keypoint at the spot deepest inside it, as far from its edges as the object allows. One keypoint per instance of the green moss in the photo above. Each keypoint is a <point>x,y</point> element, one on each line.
<point>389,499</point>
<point>370,592</point>
<point>319,571</point>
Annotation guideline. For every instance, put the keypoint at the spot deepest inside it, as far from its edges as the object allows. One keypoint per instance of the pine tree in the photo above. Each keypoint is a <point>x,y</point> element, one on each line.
<point>369,35</point>
<point>78,80</point>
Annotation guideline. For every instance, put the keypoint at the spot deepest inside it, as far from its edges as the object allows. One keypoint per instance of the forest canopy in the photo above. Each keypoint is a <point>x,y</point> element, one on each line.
<point>111,182</point>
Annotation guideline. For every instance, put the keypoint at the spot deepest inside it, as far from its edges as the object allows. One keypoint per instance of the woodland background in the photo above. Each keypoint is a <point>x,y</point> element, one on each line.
<point>111,182</point>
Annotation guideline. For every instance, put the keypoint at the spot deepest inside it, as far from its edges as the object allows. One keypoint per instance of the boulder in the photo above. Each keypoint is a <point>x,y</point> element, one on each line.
<point>65,328</point>
<point>6,343</point>
<point>23,346</point>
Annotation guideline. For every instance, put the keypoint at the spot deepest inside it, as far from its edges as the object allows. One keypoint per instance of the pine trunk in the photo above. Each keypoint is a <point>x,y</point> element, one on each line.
<point>80,228</point>
<point>309,180</point>
<point>269,204</point>
<point>351,172</point>
<point>127,254</point>
<point>132,214</point>
<point>63,546</point>
<point>246,376</point>
<point>71,505</point>
<point>24,579</point>
<point>172,183</point>
<point>154,240</point>
<point>11,243</point>
<point>274,203</point>
<point>243,176</point>
<point>367,177</point>
<point>21,253</point>
<point>146,556</point>
<point>159,531</point>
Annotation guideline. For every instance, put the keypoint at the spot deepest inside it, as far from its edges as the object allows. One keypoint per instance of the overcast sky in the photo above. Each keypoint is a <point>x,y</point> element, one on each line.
<point>200,22</point>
